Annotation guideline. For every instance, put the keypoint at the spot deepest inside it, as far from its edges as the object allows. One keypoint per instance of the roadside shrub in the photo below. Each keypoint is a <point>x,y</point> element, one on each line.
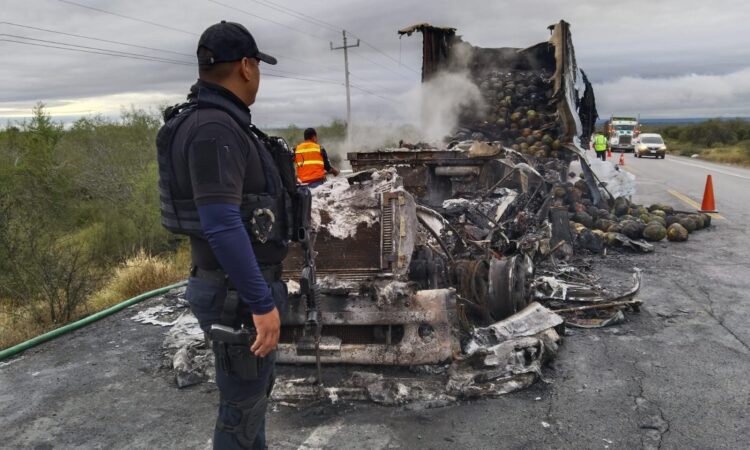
<point>141,273</point>
<point>710,133</point>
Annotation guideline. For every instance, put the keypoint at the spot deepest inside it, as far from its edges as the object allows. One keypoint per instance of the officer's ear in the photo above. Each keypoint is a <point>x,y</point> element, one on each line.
<point>248,68</point>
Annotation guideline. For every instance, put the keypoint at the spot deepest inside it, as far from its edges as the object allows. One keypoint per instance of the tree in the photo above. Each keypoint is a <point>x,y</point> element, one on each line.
<point>43,273</point>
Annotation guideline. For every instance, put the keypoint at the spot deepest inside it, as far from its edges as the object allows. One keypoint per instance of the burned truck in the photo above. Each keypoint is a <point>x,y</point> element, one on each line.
<point>425,241</point>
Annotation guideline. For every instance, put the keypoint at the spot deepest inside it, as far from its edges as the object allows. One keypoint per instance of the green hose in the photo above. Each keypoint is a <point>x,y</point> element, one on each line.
<point>8,352</point>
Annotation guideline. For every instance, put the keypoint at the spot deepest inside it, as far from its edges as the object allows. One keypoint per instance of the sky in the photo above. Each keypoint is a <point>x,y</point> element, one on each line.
<point>670,58</point>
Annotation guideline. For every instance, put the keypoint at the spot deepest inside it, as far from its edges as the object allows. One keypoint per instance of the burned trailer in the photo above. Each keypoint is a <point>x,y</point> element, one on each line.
<point>534,101</point>
<point>496,178</point>
<point>424,242</point>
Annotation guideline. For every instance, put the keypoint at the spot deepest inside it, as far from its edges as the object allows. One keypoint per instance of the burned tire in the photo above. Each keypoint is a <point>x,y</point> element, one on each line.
<point>507,287</point>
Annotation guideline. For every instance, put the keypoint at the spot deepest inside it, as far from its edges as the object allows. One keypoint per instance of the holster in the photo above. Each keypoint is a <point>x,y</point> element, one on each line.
<point>231,345</point>
<point>232,351</point>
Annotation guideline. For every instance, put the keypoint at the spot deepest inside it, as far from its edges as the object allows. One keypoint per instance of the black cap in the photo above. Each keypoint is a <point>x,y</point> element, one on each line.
<point>230,41</point>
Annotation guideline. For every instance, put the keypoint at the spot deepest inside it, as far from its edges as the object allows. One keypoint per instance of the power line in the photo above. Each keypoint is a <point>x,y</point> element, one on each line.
<point>96,48</point>
<point>305,77</point>
<point>105,52</point>
<point>119,55</point>
<point>297,14</point>
<point>402,75</point>
<point>137,46</point>
<point>278,7</point>
<point>167,27</point>
<point>145,58</point>
<point>280,24</point>
<point>371,83</point>
<point>103,11</point>
<point>266,19</point>
<point>387,55</point>
<point>302,77</point>
<point>96,39</point>
<point>354,86</point>
<point>283,9</point>
<point>274,70</point>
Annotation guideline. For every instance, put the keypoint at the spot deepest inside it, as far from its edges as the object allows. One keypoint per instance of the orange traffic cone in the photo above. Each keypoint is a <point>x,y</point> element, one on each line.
<point>708,205</point>
<point>622,159</point>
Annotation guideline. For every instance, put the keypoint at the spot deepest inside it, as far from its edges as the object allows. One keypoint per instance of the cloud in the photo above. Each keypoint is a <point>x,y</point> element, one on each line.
<point>106,105</point>
<point>639,39</point>
<point>678,96</point>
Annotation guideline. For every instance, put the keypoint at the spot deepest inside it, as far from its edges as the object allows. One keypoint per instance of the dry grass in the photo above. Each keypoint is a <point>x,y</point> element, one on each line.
<point>19,327</point>
<point>734,154</point>
<point>738,154</point>
<point>139,274</point>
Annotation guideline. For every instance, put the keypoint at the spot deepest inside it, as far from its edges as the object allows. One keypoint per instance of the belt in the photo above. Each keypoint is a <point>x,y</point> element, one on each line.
<point>270,274</point>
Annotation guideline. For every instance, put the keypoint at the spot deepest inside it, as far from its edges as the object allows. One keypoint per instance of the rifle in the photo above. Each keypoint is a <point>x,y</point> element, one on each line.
<point>311,342</point>
<point>300,223</point>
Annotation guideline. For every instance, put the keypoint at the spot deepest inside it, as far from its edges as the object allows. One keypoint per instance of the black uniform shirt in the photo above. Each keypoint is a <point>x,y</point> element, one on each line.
<point>216,161</point>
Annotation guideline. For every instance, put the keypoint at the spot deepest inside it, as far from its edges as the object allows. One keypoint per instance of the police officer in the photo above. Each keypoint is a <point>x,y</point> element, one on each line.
<point>219,184</point>
<point>600,146</point>
<point>312,160</point>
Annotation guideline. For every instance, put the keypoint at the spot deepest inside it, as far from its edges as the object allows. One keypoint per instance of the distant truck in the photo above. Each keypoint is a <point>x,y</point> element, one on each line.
<point>622,132</point>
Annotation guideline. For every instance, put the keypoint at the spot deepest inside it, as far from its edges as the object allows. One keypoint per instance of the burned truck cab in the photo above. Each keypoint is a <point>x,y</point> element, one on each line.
<point>366,236</point>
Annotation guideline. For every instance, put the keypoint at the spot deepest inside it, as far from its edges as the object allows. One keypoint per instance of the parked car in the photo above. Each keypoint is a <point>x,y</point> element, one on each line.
<point>650,144</point>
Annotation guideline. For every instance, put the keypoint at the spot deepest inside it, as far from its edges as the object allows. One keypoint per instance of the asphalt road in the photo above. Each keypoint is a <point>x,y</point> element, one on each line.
<point>684,179</point>
<point>674,376</point>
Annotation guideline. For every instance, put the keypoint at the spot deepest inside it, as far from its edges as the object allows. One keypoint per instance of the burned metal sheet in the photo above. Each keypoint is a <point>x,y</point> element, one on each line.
<point>399,328</point>
<point>532,320</point>
<point>502,368</point>
<point>493,368</point>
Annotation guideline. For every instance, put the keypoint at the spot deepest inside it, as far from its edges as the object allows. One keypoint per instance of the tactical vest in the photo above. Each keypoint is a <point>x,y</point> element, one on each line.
<point>267,216</point>
<point>309,162</point>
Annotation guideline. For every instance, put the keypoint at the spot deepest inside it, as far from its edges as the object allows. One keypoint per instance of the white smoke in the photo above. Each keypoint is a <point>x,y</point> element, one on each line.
<point>431,112</point>
<point>370,136</point>
<point>439,103</point>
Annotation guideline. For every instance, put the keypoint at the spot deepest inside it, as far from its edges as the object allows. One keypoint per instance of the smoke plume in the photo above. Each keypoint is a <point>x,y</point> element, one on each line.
<point>441,101</point>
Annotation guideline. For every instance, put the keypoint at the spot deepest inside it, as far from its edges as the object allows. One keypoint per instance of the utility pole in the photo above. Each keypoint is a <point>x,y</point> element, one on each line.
<point>346,72</point>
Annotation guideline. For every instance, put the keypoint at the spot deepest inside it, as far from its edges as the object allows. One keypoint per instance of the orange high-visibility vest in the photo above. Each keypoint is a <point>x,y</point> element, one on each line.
<point>309,161</point>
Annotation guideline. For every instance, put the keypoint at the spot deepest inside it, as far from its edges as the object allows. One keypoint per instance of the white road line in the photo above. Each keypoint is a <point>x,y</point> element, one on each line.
<point>712,169</point>
<point>321,436</point>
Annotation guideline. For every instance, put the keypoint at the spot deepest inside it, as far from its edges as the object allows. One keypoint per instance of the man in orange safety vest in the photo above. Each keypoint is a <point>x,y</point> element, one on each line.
<point>312,160</point>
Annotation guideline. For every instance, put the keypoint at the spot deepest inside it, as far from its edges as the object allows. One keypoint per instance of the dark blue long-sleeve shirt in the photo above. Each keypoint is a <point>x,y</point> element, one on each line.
<point>222,225</point>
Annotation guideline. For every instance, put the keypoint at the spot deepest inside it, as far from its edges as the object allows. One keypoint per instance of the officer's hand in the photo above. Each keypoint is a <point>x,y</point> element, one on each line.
<point>335,171</point>
<point>268,327</point>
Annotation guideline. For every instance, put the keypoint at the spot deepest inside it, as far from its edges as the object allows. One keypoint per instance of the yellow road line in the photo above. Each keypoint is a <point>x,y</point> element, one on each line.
<point>689,201</point>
